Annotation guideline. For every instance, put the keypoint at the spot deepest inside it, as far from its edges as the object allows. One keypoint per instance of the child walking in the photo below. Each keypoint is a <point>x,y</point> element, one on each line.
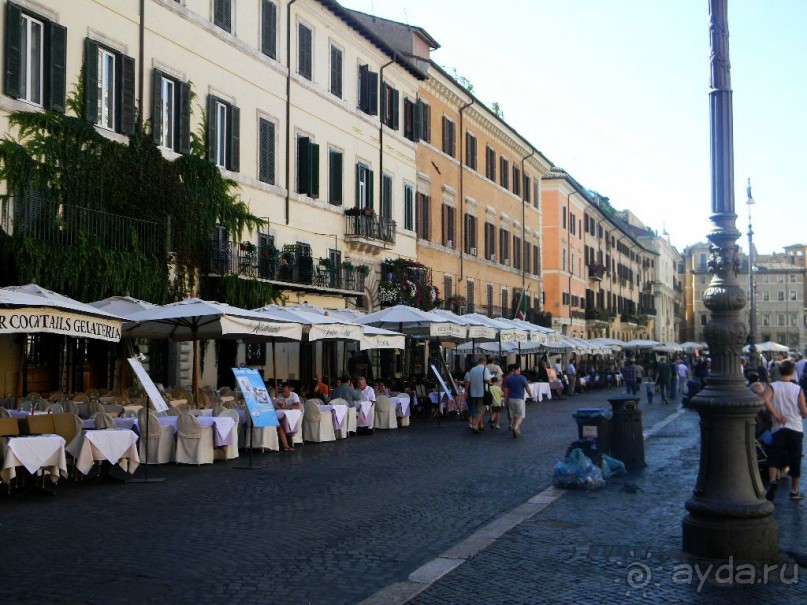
<point>496,401</point>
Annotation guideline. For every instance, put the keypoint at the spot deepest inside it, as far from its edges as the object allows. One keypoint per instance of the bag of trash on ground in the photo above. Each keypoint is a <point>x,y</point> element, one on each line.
<point>612,466</point>
<point>577,471</point>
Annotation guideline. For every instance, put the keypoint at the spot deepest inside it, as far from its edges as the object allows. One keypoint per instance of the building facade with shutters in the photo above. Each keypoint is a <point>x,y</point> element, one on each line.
<point>478,205</point>
<point>296,102</point>
<point>595,268</point>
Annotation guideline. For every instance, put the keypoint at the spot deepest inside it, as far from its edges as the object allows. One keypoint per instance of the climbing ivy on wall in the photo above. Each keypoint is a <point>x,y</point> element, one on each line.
<point>66,160</point>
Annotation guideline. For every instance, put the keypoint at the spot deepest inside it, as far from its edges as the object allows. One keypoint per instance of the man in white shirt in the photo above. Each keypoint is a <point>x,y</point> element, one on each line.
<point>571,376</point>
<point>288,399</point>
<point>365,393</point>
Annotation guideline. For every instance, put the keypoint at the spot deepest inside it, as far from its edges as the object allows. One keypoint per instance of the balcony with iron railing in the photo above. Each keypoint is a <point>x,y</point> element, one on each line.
<point>368,231</point>
<point>32,216</point>
<point>292,265</point>
<point>596,271</point>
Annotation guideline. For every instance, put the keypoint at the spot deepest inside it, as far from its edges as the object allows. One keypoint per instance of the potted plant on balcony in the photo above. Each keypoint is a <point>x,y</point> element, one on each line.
<point>363,270</point>
<point>248,247</point>
<point>348,266</point>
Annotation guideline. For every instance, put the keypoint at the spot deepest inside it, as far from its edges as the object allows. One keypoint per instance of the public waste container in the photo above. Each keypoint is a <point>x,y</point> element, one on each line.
<point>592,423</point>
<point>627,433</point>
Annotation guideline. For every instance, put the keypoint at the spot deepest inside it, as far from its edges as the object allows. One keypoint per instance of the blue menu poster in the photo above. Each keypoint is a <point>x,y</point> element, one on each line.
<point>256,397</point>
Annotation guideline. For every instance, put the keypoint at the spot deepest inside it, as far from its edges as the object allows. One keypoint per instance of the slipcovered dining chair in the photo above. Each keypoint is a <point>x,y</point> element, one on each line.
<point>41,405</point>
<point>385,414</point>
<point>57,397</point>
<point>4,413</point>
<point>9,427</point>
<point>34,395</point>
<point>70,407</point>
<point>25,406</point>
<point>56,408</point>
<point>95,407</point>
<point>345,430</point>
<point>263,437</point>
<point>317,425</point>
<point>161,442</point>
<point>39,424</point>
<point>68,426</point>
<point>229,452</point>
<point>194,443</point>
<point>173,411</point>
<point>81,398</point>
<point>128,414</point>
<point>103,421</point>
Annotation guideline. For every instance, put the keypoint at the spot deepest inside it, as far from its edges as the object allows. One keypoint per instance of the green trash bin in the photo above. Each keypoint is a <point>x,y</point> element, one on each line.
<point>627,433</point>
<point>593,423</point>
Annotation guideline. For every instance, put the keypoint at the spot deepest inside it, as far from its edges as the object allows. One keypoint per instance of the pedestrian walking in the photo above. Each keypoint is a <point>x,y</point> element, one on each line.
<point>476,381</point>
<point>664,379</point>
<point>785,401</point>
<point>515,388</point>
<point>571,376</point>
<point>496,395</point>
<point>632,376</point>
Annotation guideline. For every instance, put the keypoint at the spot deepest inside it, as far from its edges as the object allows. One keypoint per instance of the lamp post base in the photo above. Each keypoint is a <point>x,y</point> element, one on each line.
<point>742,539</point>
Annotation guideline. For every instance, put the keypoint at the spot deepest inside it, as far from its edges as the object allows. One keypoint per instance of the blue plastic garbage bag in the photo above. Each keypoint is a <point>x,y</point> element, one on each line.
<point>612,466</point>
<point>577,471</point>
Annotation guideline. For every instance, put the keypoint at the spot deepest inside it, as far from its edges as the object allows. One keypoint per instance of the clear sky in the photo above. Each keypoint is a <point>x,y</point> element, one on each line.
<point>616,92</point>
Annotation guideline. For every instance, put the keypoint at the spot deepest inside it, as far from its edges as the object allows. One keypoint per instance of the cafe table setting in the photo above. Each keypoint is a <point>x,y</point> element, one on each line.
<point>34,453</point>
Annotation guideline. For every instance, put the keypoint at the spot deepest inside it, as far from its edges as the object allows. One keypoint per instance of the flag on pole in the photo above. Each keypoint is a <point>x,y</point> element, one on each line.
<point>523,305</point>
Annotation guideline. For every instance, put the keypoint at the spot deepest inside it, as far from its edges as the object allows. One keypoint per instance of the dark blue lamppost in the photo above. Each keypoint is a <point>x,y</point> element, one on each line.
<point>728,514</point>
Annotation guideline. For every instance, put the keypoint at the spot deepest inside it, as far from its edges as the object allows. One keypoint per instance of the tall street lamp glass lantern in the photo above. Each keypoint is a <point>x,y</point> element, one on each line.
<point>752,320</point>
<point>728,515</point>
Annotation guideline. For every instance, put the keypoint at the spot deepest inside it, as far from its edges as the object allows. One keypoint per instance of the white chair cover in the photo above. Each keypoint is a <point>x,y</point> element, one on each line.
<point>345,430</point>
<point>194,443</point>
<point>385,417</point>
<point>161,442</point>
<point>231,451</point>
<point>317,425</point>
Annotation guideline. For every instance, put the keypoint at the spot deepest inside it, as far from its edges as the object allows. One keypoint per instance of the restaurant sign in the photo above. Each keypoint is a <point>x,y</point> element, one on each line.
<point>383,341</point>
<point>513,336</point>
<point>448,330</point>
<point>481,332</point>
<point>253,389</point>
<point>50,321</point>
<point>335,332</point>
<point>255,327</point>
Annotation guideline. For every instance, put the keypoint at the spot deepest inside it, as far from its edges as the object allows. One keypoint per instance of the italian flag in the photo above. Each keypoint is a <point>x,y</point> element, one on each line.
<point>521,310</point>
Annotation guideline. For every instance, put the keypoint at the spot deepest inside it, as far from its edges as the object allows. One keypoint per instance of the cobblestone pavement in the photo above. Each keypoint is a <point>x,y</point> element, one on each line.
<point>329,523</point>
<point>614,546</point>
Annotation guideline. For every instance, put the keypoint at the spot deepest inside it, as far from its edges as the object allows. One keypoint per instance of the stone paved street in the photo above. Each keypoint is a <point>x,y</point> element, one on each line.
<point>613,546</point>
<point>329,523</point>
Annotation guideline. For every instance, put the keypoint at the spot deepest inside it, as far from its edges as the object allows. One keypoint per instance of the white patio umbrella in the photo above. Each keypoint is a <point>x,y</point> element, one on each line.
<point>416,323</point>
<point>122,306</point>
<point>193,319</point>
<point>692,346</point>
<point>770,347</point>
<point>668,347</point>
<point>34,309</point>
<point>379,338</point>
<point>640,344</point>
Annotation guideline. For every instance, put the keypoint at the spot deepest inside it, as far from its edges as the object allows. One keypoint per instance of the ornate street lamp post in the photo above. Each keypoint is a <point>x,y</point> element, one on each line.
<point>752,320</point>
<point>728,514</point>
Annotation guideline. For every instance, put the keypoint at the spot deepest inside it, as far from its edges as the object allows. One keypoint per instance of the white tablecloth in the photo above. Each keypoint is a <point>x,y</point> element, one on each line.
<point>365,411</point>
<point>222,426</point>
<point>338,411</point>
<point>402,403</point>
<point>34,452</point>
<point>540,390</point>
<point>290,420</point>
<point>118,446</point>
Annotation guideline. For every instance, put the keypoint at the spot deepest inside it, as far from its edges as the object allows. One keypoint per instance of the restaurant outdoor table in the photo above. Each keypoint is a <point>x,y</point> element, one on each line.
<point>366,417</point>
<point>222,433</point>
<point>402,402</point>
<point>338,413</point>
<point>118,446</point>
<point>540,390</point>
<point>291,420</point>
<point>34,452</point>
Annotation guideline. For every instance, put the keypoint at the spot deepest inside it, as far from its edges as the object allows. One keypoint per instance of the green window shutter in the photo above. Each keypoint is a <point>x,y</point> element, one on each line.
<point>269,29</point>
<point>358,179</point>
<point>156,105</point>
<point>396,102</point>
<point>303,165</point>
<point>364,93</point>
<point>13,50</point>
<point>384,88</point>
<point>183,139</point>
<point>127,94</point>
<point>234,142</point>
<point>91,80</point>
<point>335,178</point>
<point>372,89</point>
<point>417,120</point>
<point>211,128</point>
<point>370,187</point>
<point>57,66</point>
<point>313,173</point>
<point>266,160</point>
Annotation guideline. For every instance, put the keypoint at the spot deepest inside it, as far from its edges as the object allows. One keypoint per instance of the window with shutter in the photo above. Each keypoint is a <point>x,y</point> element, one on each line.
<point>411,131</point>
<point>386,196</point>
<point>516,252</point>
<point>336,72</point>
<point>335,175</point>
<point>490,163</point>
<point>505,302</point>
<point>449,138</point>
<point>364,186</point>
<point>389,105</point>
<point>469,297</point>
<point>489,298</point>
<point>269,28</point>
<point>304,51</point>
<point>470,150</point>
<point>425,121</point>
<point>516,180</point>
<point>527,187</point>
<point>223,14</point>
<point>448,289</point>
<point>307,167</point>
<point>423,218</point>
<point>409,210</point>
<point>368,90</point>
<point>221,140</point>
<point>526,257</point>
<point>266,153</point>
<point>504,172</point>
<point>109,88</point>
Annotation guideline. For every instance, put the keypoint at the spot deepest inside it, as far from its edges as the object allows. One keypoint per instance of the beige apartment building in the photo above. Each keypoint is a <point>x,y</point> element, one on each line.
<point>302,108</point>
